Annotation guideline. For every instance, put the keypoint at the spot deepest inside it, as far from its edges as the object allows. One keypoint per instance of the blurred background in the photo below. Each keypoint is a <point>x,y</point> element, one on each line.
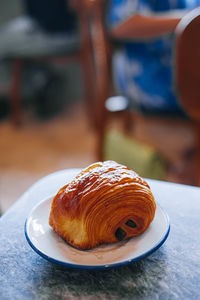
<point>55,131</point>
<point>53,135</point>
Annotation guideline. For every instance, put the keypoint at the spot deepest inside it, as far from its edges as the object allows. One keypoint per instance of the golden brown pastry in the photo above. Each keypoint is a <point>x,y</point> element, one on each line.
<point>105,203</point>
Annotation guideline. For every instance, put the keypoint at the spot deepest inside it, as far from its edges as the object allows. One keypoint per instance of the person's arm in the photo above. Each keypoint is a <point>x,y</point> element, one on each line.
<point>144,26</point>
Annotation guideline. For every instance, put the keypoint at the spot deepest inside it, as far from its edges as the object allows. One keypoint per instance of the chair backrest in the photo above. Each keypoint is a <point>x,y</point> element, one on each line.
<point>187,56</point>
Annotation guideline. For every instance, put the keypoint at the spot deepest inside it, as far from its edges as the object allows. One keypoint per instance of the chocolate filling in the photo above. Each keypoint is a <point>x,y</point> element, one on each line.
<point>131,224</point>
<point>120,234</point>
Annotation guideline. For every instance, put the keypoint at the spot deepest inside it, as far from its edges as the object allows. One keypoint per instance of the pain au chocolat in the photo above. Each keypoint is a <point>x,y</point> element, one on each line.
<point>104,203</point>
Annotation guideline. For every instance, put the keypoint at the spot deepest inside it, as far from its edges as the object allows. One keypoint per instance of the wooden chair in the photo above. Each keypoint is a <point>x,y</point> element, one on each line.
<point>82,54</point>
<point>186,64</point>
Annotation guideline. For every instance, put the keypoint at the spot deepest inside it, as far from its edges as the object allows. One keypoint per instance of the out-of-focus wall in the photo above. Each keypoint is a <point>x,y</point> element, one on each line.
<point>10,9</point>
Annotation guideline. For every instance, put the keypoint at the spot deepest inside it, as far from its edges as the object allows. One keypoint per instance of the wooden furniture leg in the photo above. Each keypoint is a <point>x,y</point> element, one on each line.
<point>197,154</point>
<point>102,64</point>
<point>15,93</point>
<point>87,67</point>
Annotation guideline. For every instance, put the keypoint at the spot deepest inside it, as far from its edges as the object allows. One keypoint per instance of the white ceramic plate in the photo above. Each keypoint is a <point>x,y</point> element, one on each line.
<point>50,246</point>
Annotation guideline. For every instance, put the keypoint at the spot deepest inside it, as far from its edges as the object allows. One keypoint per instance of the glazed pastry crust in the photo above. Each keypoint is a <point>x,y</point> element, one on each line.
<point>101,199</point>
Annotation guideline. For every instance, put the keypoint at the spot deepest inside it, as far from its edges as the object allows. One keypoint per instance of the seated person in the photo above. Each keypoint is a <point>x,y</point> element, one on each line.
<point>143,70</point>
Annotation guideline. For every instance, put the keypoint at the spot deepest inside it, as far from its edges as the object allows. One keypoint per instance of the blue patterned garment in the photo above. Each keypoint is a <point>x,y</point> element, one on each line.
<point>143,70</point>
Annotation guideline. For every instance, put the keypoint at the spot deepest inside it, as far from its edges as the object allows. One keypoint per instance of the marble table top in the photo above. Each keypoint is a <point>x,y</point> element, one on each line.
<point>171,272</point>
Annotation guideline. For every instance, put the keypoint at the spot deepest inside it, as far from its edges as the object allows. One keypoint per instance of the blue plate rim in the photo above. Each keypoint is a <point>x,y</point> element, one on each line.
<point>97,267</point>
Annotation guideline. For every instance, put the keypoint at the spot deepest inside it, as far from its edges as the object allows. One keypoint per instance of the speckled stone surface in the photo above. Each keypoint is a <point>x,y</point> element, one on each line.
<point>172,272</point>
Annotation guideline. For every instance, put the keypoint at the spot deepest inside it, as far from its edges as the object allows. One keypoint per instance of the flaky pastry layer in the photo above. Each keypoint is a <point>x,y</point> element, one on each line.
<point>105,203</point>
